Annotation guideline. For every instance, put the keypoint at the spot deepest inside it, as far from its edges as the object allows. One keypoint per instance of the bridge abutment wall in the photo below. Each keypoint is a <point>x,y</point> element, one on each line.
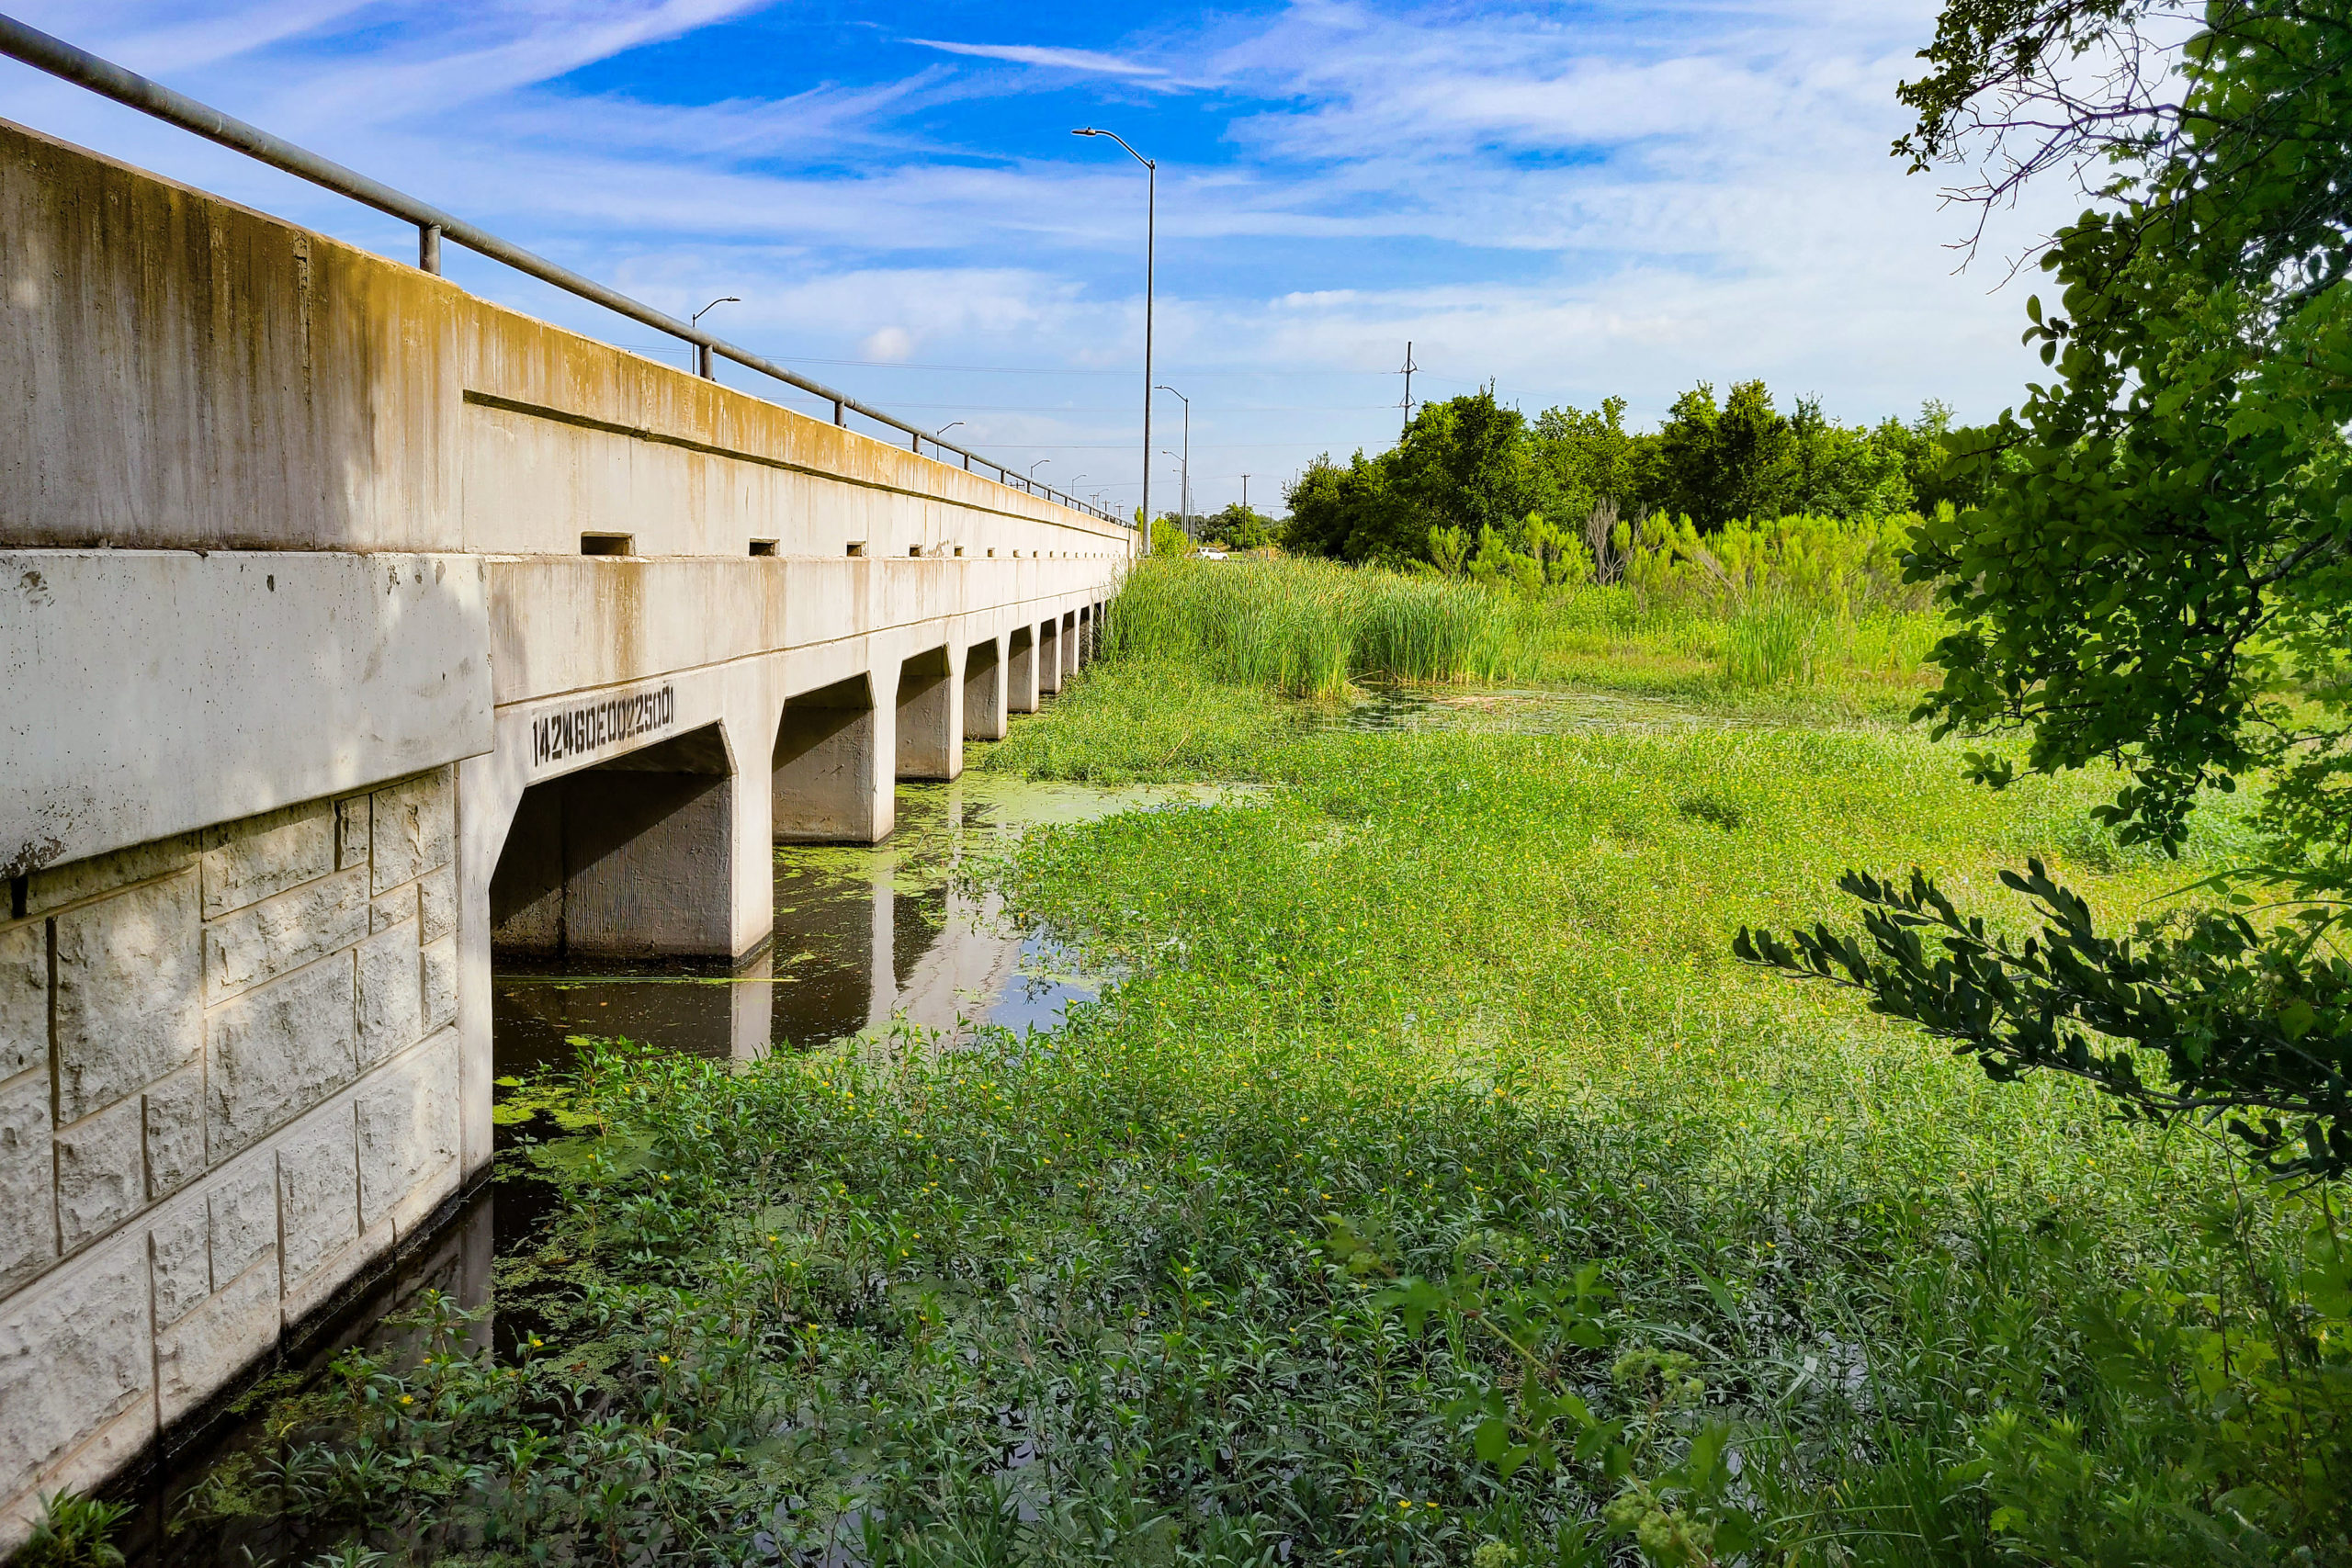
<point>315,701</point>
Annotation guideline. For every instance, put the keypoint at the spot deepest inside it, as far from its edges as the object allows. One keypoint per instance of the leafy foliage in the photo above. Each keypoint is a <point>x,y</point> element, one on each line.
<point>74,1531</point>
<point>1474,486</point>
<point>2160,580</point>
<point>1238,527</point>
<point>2252,1030</point>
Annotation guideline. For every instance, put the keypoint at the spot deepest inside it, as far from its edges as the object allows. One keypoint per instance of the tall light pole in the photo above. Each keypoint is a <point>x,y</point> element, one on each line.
<point>1184,494</point>
<point>702,351</point>
<point>1183,489</point>
<point>1150,261</point>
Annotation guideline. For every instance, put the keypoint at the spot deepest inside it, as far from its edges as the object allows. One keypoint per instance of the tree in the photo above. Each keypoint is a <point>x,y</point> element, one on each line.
<point>1352,512</point>
<point>1837,470</point>
<point>1167,536</point>
<point>1718,466</point>
<point>1594,461</point>
<point>1471,464</point>
<point>1238,527</point>
<point>2159,577</point>
<point>1466,462</point>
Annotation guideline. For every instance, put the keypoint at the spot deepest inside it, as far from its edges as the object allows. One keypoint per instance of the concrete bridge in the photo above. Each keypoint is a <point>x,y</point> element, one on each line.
<point>352,628</point>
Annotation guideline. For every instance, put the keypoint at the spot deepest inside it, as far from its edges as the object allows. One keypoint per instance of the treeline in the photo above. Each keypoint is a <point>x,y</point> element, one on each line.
<point>1473,479</point>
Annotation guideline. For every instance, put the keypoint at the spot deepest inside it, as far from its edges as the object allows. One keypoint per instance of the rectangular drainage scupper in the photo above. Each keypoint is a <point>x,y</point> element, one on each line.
<point>607,544</point>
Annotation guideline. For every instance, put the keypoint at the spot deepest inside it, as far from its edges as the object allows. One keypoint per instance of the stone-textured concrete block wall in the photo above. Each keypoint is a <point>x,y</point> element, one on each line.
<point>232,1083</point>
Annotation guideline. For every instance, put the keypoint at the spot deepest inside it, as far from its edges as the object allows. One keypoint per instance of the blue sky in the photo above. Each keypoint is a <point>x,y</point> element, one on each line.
<point>1573,201</point>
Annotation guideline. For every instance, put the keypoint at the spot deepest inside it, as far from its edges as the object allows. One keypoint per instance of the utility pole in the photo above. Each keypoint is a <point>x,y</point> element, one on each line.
<point>1408,373</point>
<point>1245,492</point>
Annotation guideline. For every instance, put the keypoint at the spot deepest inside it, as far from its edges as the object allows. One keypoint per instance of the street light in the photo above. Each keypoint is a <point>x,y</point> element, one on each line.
<point>1181,521</point>
<point>702,350</point>
<point>1150,252</point>
<point>1184,494</point>
<point>949,426</point>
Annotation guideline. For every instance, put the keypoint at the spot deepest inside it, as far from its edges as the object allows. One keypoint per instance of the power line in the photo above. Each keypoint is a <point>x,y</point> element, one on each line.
<point>1015,370</point>
<point>1063,408</point>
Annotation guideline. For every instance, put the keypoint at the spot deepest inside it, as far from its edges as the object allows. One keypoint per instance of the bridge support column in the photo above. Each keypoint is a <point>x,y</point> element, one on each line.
<point>1072,631</point>
<point>984,704</point>
<point>1049,655</point>
<point>931,715</point>
<point>637,855</point>
<point>1020,669</point>
<point>831,767</point>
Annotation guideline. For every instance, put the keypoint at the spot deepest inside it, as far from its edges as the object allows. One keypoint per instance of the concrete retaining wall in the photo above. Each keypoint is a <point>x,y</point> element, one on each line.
<point>234,1081</point>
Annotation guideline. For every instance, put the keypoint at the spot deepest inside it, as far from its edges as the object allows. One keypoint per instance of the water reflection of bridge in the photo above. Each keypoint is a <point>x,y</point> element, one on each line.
<point>864,937</point>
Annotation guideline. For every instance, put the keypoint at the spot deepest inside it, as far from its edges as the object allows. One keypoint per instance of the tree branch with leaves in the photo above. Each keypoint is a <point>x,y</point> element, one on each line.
<point>2160,580</point>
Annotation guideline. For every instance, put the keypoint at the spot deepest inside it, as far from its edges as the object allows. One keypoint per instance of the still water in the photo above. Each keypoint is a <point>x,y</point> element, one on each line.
<point>1507,710</point>
<point>864,935</point>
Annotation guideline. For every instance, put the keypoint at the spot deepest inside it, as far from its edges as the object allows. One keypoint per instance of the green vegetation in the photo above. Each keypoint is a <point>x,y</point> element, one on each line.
<point>74,1531</point>
<point>2161,581</point>
<point>1239,527</point>
<point>1435,1190</point>
<point>1470,475</point>
<point>1306,628</point>
<point>1803,609</point>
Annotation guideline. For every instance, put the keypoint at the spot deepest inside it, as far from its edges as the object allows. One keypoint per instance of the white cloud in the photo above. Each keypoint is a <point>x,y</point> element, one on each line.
<point>1085,61</point>
<point>892,345</point>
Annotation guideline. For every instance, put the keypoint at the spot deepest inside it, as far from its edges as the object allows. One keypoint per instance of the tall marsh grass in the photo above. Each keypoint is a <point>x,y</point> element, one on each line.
<point>1777,606</point>
<point>1307,628</point>
<point>1770,642</point>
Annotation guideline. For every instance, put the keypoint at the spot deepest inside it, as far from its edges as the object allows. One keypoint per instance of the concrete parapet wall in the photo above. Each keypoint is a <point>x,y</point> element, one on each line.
<point>193,374</point>
<point>150,693</point>
<point>233,1080</point>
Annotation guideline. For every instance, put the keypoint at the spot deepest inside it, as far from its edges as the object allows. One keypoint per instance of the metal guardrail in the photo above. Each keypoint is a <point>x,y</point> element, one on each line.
<point>63,61</point>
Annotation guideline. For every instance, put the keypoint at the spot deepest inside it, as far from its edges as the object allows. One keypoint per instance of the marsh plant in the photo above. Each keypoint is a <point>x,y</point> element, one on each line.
<point>1308,628</point>
<point>1436,1190</point>
<point>1805,598</point>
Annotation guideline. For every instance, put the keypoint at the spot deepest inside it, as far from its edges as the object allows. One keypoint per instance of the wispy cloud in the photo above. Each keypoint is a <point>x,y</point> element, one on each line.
<point>1085,61</point>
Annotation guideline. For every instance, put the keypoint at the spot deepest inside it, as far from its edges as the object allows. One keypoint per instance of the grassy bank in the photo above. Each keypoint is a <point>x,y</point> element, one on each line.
<point>1434,1190</point>
<point>1827,641</point>
<point>1306,628</point>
